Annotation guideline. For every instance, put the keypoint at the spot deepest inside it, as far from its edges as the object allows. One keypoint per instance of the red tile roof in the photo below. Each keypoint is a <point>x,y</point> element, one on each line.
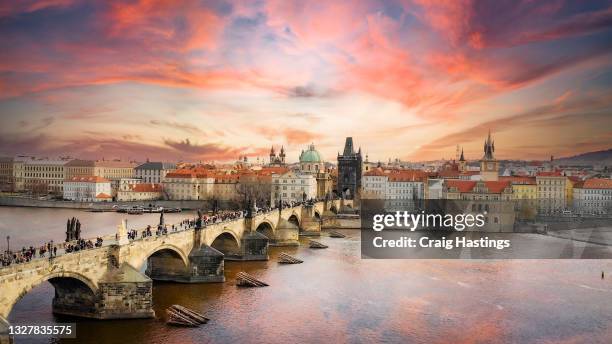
<point>496,186</point>
<point>88,179</point>
<point>145,187</point>
<point>597,183</point>
<point>375,172</point>
<point>407,176</point>
<point>461,185</point>
<point>550,174</point>
<point>465,186</point>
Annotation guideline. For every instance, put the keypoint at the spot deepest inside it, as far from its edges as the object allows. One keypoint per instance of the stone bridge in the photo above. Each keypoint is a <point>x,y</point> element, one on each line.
<point>111,282</point>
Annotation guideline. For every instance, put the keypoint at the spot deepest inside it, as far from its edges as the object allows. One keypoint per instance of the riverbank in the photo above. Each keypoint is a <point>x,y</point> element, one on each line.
<point>37,203</point>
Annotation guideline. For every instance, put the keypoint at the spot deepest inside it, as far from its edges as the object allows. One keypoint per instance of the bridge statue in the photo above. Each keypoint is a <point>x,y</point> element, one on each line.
<point>73,229</point>
<point>199,220</point>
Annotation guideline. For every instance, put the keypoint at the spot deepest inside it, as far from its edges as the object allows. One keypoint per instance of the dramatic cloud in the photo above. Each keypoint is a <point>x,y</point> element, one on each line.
<point>217,79</point>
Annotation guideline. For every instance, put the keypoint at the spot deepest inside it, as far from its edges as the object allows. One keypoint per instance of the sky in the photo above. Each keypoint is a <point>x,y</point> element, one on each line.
<point>214,80</point>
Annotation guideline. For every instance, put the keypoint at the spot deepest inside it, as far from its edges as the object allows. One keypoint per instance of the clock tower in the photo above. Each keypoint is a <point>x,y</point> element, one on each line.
<point>489,167</point>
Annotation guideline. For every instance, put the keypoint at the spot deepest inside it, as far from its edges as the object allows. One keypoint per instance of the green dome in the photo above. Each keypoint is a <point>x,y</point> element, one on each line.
<point>310,155</point>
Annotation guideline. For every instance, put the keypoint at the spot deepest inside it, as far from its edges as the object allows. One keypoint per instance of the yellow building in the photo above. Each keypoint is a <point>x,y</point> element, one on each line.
<point>522,187</point>
<point>524,194</point>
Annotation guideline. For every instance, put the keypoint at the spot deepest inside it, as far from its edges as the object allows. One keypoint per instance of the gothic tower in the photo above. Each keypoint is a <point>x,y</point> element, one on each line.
<point>489,166</point>
<point>462,162</point>
<point>349,170</point>
<point>272,155</point>
<point>282,155</point>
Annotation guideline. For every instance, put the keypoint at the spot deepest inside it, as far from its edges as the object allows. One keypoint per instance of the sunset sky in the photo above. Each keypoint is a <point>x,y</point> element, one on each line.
<point>212,80</point>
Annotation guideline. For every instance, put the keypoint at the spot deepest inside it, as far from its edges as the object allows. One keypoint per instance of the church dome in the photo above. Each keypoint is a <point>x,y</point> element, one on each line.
<point>311,155</point>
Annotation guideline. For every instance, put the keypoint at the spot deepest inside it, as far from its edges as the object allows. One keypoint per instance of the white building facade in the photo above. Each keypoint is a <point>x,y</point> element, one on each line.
<point>87,189</point>
<point>293,187</point>
<point>593,196</point>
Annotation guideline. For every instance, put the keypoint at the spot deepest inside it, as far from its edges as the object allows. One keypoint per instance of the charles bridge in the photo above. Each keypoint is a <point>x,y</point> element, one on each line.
<point>108,282</point>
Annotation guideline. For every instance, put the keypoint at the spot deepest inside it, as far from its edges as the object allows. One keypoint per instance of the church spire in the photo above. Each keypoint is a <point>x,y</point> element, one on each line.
<point>489,148</point>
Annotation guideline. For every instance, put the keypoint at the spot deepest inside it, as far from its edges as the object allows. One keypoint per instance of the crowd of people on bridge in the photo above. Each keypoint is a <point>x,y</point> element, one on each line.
<point>49,249</point>
<point>25,255</point>
<point>83,244</point>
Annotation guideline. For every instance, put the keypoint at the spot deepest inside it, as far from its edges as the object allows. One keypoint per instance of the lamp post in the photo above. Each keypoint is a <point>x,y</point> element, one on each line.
<point>8,243</point>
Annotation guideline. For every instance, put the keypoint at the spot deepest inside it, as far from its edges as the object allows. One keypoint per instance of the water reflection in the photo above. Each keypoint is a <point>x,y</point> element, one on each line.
<point>335,296</point>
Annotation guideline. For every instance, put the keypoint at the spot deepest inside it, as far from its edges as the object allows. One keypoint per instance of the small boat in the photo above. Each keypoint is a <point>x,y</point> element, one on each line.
<point>135,211</point>
<point>335,234</point>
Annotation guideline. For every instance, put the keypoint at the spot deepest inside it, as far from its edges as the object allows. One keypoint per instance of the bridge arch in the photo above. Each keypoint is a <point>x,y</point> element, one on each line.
<point>266,228</point>
<point>166,262</point>
<point>66,284</point>
<point>164,249</point>
<point>227,243</point>
<point>294,219</point>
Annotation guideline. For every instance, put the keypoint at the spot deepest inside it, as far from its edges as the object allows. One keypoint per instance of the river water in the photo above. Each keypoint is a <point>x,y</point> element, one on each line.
<point>335,296</point>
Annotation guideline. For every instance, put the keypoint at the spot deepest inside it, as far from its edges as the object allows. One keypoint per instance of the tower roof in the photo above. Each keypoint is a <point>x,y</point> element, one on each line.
<point>489,148</point>
<point>348,146</point>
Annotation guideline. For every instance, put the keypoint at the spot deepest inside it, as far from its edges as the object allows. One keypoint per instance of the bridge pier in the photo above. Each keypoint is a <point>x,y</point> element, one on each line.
<point>311,224</point>
<point>254,246</point>
<point>5,338</point>
<point>124,293</point>
<point>206,265</point>
<point>286,234</point>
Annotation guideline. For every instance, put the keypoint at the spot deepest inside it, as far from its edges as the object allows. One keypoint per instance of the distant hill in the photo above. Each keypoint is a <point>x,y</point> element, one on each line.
<point>603,157</point>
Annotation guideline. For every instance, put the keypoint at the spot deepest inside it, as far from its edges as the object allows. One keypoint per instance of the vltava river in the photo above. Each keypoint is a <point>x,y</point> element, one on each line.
<point>335,296</point>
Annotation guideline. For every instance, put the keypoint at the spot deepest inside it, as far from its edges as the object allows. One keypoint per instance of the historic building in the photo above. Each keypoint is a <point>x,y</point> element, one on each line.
<point>153,172</point>
<point>189,184</point>
<point>113,170</point>
<point>552,192</point>
<point>493,199</point>
<point>593,196</point>
<point>524,195</point>
<point>139,192</point>
<point>277,160</point>
<point>7,182</point>
<point>349,170</point>
<point>374,184</point>
<point>462,162</point>
<point>293,186</point>
<point>311,162</point>
<point>44,176</point>
<point>489,166</point>
<point>393,184</point>
<point>434,188</point>
<point>87,189</point>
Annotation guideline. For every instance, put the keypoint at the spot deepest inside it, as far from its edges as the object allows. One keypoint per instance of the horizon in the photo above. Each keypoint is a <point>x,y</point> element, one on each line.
<point>264,159</point>
<point>217,80</point>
